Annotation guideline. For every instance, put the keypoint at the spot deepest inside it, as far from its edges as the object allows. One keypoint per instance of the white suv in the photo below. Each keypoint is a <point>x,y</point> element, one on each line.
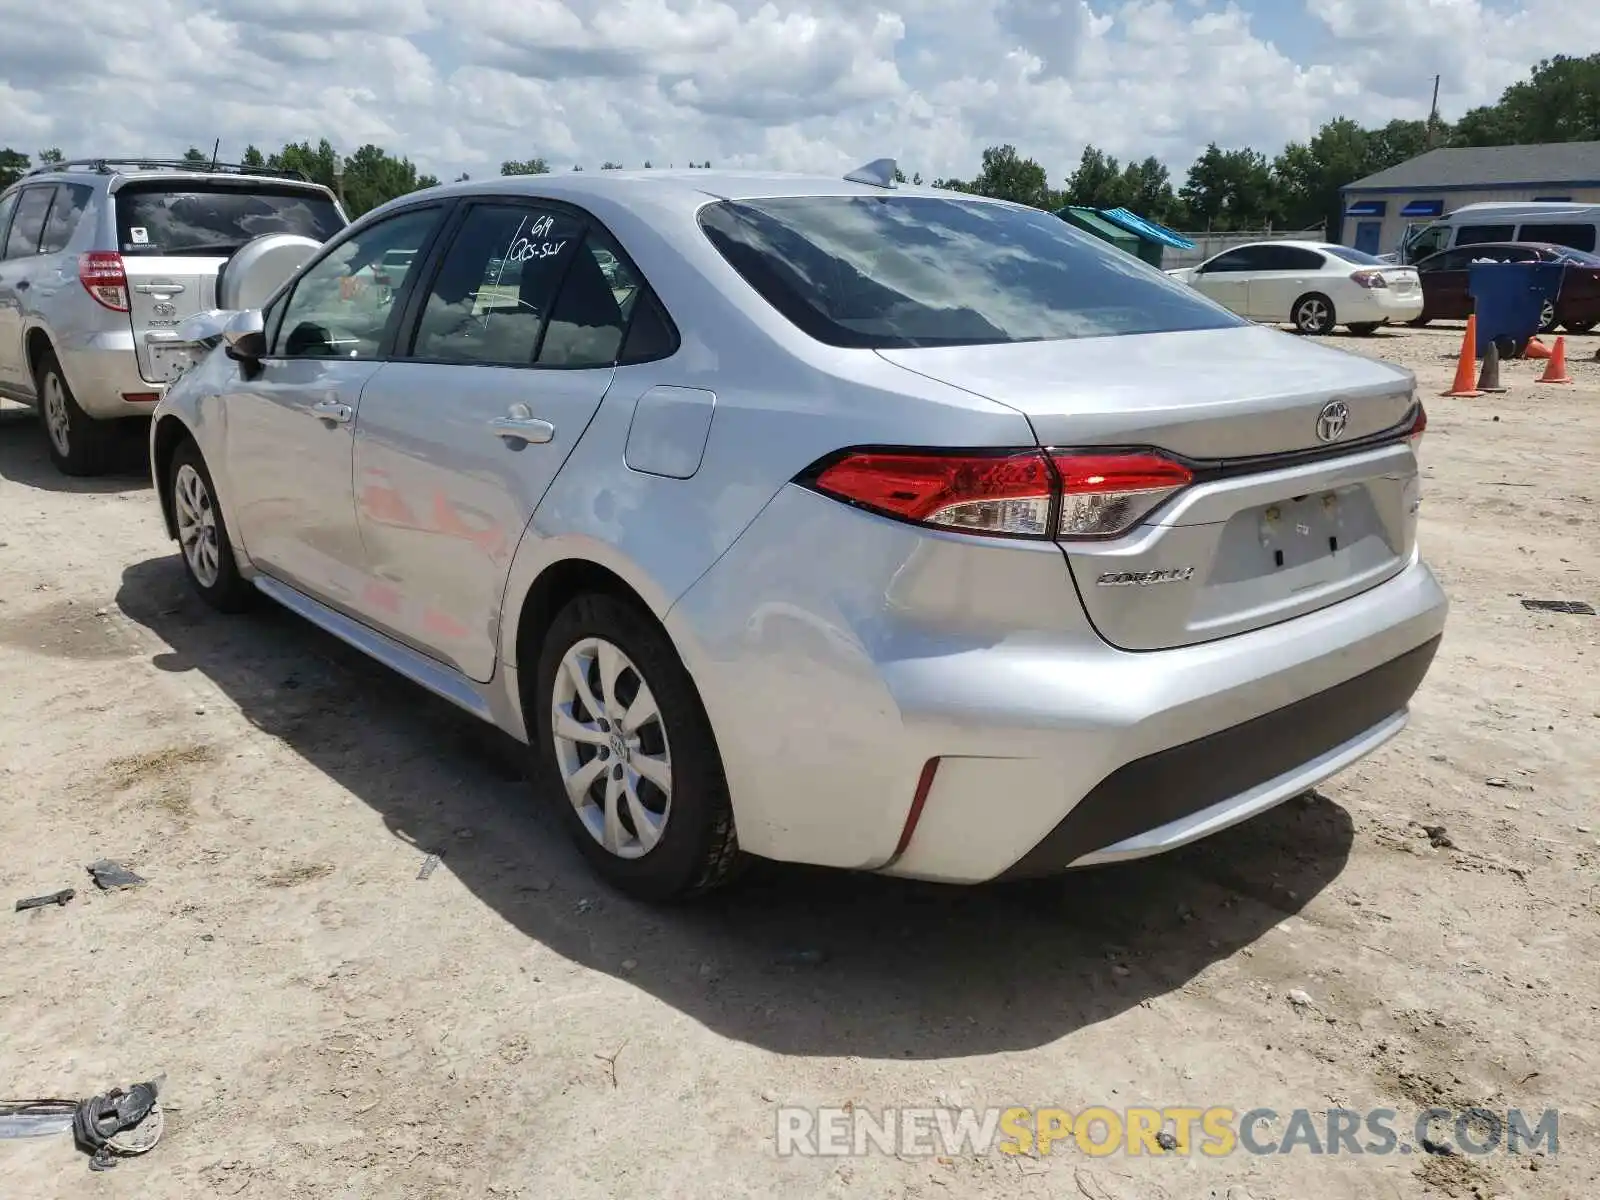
<point>100,259</point>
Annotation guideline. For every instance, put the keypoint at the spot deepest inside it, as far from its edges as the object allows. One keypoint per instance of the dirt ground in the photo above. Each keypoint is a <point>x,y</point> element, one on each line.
<point>330,1025</point>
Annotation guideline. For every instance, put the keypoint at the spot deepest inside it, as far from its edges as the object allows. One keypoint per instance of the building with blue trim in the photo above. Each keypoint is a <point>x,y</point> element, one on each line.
<point>1379,208</point>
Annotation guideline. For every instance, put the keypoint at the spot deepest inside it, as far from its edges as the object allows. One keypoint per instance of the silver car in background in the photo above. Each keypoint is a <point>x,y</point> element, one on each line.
<point>101,259</point>
<point>822,520</point>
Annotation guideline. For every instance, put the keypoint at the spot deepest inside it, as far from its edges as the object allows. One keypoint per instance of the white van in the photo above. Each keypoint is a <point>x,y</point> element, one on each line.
<point>1561,224</point>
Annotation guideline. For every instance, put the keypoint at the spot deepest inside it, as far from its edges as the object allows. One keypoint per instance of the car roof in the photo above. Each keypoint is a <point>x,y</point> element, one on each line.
<point>691,187</point>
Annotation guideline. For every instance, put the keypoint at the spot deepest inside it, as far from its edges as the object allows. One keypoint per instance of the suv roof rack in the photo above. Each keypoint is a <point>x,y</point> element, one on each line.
<point>108,166</point>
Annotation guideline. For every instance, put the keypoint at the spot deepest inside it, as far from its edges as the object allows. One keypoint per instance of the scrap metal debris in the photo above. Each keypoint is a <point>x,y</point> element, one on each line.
<point>429,865</point>
<point>35,1118</point>
<point>57,898</point>
<point>119,1122</point>
<point>1576,608</point>
<point>112,876</point>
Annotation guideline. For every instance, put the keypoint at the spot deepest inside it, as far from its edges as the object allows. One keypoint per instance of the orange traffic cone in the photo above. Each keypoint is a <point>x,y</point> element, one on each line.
<point>1555,370</point>
<point>1464,384</point>
<point>1535,349</point>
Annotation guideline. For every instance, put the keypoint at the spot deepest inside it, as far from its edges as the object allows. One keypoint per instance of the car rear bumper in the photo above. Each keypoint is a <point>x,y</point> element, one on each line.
<point>103,371</point>
<point>840,660</point>
<point>1380,304</point>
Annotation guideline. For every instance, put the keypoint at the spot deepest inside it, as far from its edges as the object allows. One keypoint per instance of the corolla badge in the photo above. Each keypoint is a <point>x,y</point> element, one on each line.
<point>1145,578</point>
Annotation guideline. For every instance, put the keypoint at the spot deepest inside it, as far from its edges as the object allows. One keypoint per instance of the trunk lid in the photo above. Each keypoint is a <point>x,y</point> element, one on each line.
<point>1277,523</point>
<point>1403,280</point>
<point>162,293</point>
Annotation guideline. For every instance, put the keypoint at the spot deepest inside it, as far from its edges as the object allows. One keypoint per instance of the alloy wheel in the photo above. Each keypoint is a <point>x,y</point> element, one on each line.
<point>611,748</point>
<point>1313,316</point>
<point>197,525</point>
<point>56,419</point>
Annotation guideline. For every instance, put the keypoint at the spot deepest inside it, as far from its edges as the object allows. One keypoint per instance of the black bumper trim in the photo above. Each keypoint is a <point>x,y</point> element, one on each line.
<point>1181,780</point>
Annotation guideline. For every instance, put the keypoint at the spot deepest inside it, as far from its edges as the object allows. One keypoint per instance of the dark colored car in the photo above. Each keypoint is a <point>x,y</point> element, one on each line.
<point>1444,283</point>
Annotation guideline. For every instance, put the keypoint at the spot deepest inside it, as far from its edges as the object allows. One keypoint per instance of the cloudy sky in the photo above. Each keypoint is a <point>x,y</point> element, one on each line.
<point>459,85</point>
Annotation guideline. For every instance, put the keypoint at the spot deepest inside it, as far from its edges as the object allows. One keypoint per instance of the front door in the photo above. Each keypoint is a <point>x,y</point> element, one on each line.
<point>290,428</point>
<point>509,351</point>
<point>1368,235</point>
<point>20,251</point>
<point>1225,279</point>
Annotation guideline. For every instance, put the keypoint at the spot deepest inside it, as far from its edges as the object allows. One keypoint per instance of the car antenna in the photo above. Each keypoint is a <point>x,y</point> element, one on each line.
<point>877,173</point>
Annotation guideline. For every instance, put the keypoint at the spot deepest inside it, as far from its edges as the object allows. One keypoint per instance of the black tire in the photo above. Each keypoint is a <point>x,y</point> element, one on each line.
<point>1547,316</point>
<point>1419,322</point>
<point>79,445</point>
<point>698,847</point>
<point>229,591</point>
<point>1364,328</point>
<point>1313,315</point>
<point>1579,327</point>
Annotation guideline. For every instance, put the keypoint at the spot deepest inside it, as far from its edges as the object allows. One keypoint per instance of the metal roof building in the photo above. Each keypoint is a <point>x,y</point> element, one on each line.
<point>1378,209</point>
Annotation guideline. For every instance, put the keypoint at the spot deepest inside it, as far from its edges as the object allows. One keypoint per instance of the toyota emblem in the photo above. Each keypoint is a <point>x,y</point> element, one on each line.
<point>1335,415</point>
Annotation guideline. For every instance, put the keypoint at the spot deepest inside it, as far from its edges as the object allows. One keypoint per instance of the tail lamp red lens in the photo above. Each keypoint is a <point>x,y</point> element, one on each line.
<point>1419,426</point>
<point>1370,279</point>
<point>102,276</point>
<point>1022,493</point>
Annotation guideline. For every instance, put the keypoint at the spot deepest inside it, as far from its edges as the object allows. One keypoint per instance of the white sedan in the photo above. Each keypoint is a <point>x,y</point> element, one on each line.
<point>1310,285</point>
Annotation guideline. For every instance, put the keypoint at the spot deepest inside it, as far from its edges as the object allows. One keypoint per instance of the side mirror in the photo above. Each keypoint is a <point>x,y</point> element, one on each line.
<point>245,340</point>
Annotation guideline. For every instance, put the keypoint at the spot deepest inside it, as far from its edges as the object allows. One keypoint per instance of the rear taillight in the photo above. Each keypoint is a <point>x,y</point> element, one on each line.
<point>1419,426</point>
<point>1370,279</point>
<point>1023,493</point>
<point>102,276</point>
<point>1104,494</point>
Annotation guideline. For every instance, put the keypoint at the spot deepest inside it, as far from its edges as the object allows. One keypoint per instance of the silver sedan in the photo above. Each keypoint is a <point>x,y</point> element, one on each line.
<point>818,519</point>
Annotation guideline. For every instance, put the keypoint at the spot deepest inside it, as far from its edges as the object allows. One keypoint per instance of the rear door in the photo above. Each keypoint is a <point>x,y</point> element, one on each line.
<point>1444,285</point>
<point>289,428</point>
<point>513,344</point>
<point>1281,276</point>
<point>175,234</point>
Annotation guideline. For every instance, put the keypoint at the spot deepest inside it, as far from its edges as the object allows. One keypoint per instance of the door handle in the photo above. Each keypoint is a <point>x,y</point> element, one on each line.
<point>332,411</point>
<point>23,285</point>
<point>519,427</point>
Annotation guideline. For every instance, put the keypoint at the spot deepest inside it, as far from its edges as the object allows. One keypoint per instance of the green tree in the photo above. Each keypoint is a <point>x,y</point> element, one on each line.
<point>1006,175</point>
<point>252,157</point>
<point>13,166</point>
<point>608,165</point>
<point>196,156</point>
<point>1098,182</point>
<point>52,155</point>
<point>1559,102</point>
<point>1230,189</point>
<point>1148,188</point>
<point>525,166</point>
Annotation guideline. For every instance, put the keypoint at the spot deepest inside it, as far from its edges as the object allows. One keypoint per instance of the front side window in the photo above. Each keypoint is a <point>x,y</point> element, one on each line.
<point>905,271</point>
<point>198,218</point>
<point>342,305</point>
<point>496,285</point>
<point>8,205</point>
<point>70,202</point>
<point>1429,240</point>
<point>27,224</point>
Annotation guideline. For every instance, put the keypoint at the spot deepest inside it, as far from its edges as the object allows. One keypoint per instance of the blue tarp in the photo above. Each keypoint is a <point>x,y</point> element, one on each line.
<point>1134,223</point>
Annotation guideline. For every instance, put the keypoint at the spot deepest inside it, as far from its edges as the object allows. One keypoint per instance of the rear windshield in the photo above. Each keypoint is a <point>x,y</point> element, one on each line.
<point>197,219</point>
<point>1360,257</point>
<point>894,272</point>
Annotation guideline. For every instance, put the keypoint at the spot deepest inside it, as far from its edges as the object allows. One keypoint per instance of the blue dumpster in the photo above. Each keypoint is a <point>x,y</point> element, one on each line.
<point>1508,298</point>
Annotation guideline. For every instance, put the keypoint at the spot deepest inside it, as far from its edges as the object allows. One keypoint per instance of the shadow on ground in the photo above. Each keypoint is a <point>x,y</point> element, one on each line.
<point>25,459</point>
<point>906,970</point>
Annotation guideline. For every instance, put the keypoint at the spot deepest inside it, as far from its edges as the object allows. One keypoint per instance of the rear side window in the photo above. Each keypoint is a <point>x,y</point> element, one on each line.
<point>1471,235</point>
<point>200,218</point>
<point>1292,258</point>
<point>7,207</point>
<point>495,286</point>
<point>27,224</point>
<point>905,271</point>
<point>70,202</point>
<point>1359,257</point>
<point>1579,237</point>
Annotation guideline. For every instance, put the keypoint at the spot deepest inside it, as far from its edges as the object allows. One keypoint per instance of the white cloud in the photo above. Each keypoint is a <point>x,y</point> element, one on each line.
<point>801,84</point>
